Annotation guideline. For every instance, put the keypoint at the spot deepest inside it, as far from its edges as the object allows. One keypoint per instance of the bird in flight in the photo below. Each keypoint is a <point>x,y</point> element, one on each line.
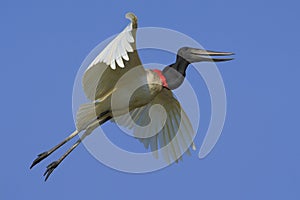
<point>122,90</point>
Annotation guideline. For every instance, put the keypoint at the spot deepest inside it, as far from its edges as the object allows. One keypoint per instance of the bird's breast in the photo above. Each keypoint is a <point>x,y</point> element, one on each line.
<point>135,90</point>
<point>155,81</point>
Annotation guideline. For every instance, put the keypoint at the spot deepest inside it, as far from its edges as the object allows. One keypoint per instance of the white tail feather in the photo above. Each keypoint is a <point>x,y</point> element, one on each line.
<point>86,114</point>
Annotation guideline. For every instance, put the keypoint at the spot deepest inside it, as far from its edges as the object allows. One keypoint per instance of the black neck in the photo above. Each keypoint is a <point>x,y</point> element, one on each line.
<point>180,65</point>
<point>175,72</point>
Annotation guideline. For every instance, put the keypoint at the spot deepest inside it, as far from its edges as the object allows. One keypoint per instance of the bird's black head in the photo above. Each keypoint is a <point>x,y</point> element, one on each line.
<point>175,73</point>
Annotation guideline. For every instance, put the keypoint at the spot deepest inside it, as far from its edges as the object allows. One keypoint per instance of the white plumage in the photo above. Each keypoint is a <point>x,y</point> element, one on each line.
<point>103,79</point>
<point>117,85</point>
<point>167,120</point>
<point>118,49</point>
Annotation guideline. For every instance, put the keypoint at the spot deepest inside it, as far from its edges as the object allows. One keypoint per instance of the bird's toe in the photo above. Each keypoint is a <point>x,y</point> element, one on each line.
<point>50,169</point>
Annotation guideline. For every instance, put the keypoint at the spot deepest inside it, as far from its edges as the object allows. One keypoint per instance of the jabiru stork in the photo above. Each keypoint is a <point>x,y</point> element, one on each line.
<point>109,81</point>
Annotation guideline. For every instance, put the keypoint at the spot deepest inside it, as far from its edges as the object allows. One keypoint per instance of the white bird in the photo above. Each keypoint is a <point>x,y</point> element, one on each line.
<point>118,84</point>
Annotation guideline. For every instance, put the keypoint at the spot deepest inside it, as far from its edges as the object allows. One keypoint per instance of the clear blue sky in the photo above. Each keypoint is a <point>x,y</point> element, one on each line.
<point>42,46</point>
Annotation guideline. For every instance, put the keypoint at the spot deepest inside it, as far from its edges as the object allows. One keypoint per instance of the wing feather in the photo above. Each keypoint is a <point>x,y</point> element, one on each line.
<point>177,124</point>
<point>116,59</point>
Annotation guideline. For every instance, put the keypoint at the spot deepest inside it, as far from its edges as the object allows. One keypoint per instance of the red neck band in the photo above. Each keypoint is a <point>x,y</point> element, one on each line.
<point>162,77</point>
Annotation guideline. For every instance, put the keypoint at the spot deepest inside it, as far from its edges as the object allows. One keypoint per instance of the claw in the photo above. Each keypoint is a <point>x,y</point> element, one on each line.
<point>40,157</point>
<point>50,169</point>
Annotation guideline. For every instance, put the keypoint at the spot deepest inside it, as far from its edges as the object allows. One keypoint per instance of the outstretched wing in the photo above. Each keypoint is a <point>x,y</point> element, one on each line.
<point>159,130</point>
<point>116,59</point>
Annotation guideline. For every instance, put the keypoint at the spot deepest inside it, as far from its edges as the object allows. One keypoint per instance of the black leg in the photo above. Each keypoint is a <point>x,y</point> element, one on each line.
<point>89,130</point>
<point>53,165</point>
<point>45,154</point>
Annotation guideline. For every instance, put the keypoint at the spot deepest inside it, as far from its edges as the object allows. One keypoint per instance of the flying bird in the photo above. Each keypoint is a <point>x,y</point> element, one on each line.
<point>117,85</point>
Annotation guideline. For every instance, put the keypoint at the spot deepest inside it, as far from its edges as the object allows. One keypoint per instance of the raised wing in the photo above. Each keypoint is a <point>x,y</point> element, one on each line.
<point>116,59</point>
<point>161,129</point>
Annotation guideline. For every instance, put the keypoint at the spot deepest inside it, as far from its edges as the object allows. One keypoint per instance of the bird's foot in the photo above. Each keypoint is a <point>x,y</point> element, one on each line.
<point>40,157</point>
<point>50,169</point>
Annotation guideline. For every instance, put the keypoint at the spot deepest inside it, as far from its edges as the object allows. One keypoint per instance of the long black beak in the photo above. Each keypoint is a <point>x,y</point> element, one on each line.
<point>201,55</point>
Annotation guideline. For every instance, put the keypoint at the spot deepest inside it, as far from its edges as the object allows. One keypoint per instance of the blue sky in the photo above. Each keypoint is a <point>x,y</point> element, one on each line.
<point>257,156</point>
